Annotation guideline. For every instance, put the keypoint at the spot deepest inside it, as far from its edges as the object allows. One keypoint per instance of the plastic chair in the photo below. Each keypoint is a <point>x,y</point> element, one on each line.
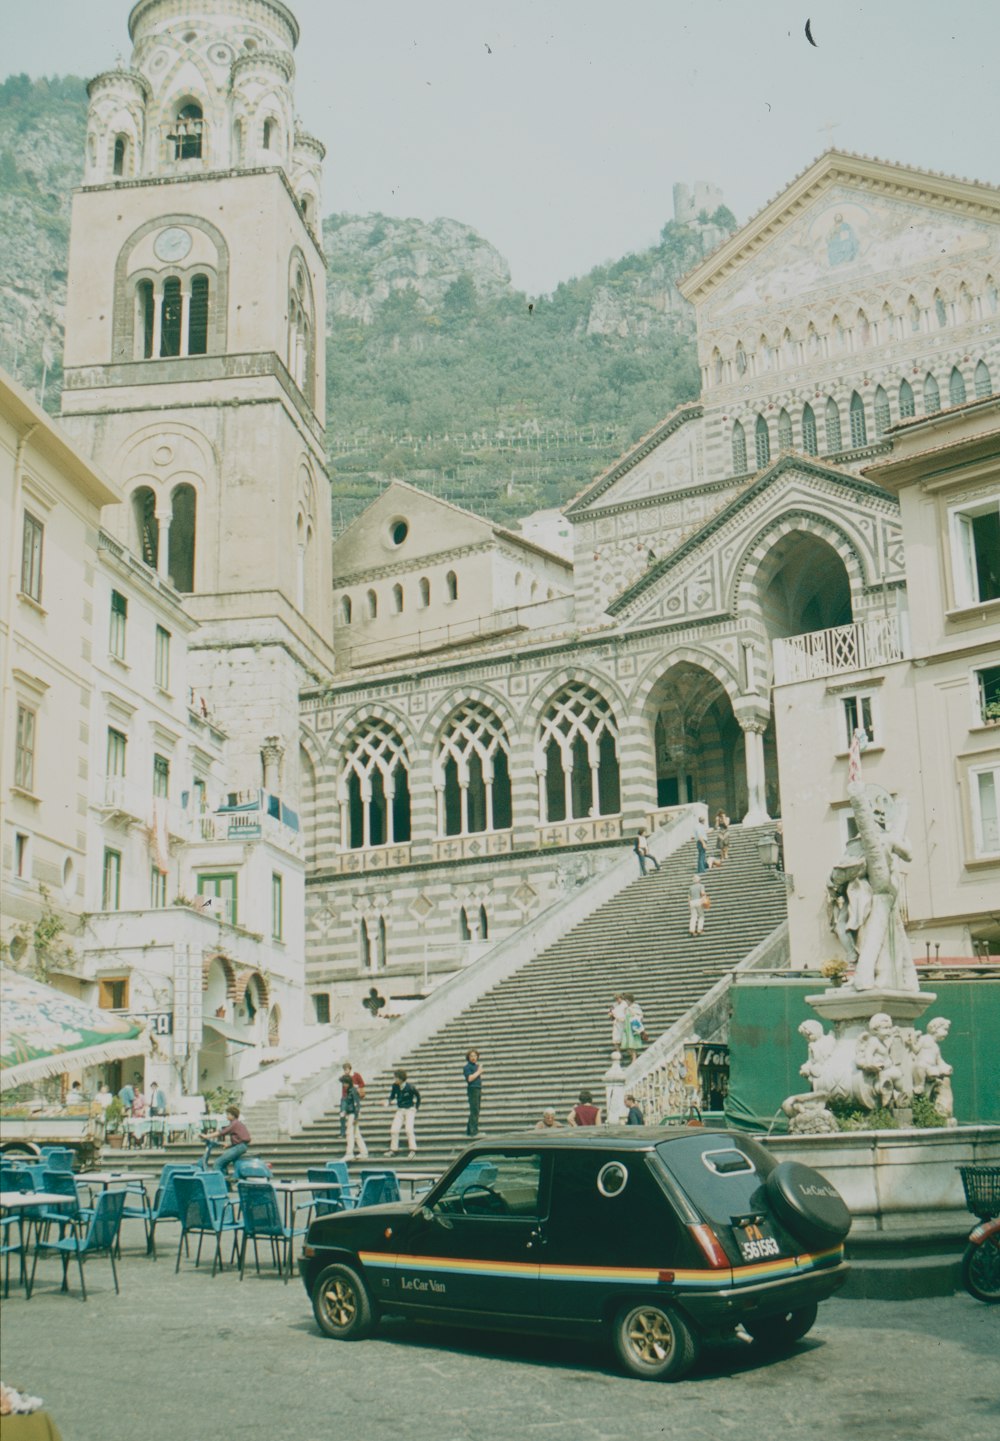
<point>166,1206</point>
<point>377,1190</point>
<point>328,1202</point>
<point>57,1158</point>
<point>101,1235</point>
<point>139,1210</point>
<point>261,1214</point>
<point>205,1211</point>
<point>62,1213</point>
<point>9,1248</point>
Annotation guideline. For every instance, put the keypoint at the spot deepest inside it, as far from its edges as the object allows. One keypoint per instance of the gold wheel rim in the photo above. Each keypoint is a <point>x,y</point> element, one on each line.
<point>650,1336</point>
<point>340,1305</point>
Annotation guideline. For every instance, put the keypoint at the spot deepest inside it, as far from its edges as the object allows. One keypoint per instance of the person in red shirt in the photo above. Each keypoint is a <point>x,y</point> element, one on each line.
<point>349,1078</point>
<point>238,1137</point>
<point>585,1113</point>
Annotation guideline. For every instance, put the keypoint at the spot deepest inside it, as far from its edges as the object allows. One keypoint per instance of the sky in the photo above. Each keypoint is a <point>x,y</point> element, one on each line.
<point>557,128</point>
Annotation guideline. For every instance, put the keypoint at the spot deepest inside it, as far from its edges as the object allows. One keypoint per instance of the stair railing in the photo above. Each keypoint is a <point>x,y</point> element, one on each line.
<point>659,1079</point>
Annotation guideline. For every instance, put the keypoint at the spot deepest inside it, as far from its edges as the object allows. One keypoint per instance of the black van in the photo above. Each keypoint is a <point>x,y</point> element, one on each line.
<point>660,1238</point>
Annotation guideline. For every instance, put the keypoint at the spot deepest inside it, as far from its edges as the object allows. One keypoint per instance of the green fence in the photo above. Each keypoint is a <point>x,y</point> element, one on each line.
<point>766,1051</point>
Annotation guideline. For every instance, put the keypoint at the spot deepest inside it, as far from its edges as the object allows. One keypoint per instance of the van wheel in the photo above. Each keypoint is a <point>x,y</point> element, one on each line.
<point>342,1305</point>
<point>777,1332</point>
<point>653,1343</point>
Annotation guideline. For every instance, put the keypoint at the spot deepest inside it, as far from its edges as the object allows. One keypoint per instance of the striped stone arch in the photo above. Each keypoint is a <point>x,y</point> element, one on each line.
<point>342,732</point>
<point>436,720</point>
<point>554,681</point>
<point>228,970</point>
<point>640,712</point>
<point>742,596</point>
<point>243,979</point>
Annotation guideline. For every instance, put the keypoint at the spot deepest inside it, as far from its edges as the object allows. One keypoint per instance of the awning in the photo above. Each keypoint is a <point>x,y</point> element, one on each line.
<point>228,1031</point>
<point>45,1032</point>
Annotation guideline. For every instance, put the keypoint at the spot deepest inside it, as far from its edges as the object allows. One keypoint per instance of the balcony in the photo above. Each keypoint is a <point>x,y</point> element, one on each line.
<point>863,645</point>
<point>263,818</point>
<point>124,802</point>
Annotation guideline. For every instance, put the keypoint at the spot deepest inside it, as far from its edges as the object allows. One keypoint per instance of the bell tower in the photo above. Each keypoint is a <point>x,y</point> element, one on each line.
<point>194,363</point>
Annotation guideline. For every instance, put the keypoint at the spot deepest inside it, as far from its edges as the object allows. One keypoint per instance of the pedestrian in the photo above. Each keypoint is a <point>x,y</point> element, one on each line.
<point>779,840</point>
<point>697,904</point>
<point>406,1099</point>
<point>585,1113</point>
<point>633,1029</point>
<point>722,835</point>
<point>701,841</point>
<point>236,1134</point>
<point>473,1073</point>
<point>348,1077</point>
<point>548,1121</point>
<point>127,1093</point>
<point>616,1014</point>
<point>351,1109</point>
<point>75,1095</point>
<point>633,1116</point>
<point>642,853</point>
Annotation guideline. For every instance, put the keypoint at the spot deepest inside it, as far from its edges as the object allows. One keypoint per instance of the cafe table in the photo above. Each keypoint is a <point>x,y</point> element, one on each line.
<point>22,1204</point>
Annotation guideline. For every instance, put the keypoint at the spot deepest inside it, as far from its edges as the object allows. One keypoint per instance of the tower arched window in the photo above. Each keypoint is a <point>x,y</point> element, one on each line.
<point>424,592</point>
<point>346,609</point>
<point>183,525</point>
<point>809,441</point>
<point>484,929</point>
<point>374,788</point>
<point>862,330</point>
<point>472,773</point>
<point>761,442</point>
<point>913,310</point>
<point>907,402</point>
<point>956,387</point>
<point>397,599</point>
<point>784,431</point>
<point>940,309</point>
<point>198,316</point>
<point>170,317</point>
<point>270,134</point>
<point>932,395</point>
<point>145,304</point>
<point>834,440</point>
<point>121,156</point>
<point>146,528</point>
<point>577,756</point>
<point>883,417</point>
<point>739,449</point>
<point>859,426</point>
<point>188,131</point>
<point>451,584</point>
<point>716,366</point>
<point>741,359</point>
<point>984,383</point>
<point>372,600</point>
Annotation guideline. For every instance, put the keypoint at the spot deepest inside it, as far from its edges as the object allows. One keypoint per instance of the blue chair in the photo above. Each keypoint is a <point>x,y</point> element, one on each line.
<point>205,1211</point>
<point>101,1235</point>
<point>166,1206</point>
<point>377,1190</point>
<point>335,1195</point>
<point>57,1158</point>
<point>138,1208</point>
<point>9,1248</point>
<point>261,1215</point>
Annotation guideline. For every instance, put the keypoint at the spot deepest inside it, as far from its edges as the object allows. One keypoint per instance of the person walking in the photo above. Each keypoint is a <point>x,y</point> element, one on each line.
<point>633,1116</point>
<point>697,903</point>
<point>406,1099</point>
<point>351,1110</point>
<point>722,835</point>
<point>473,1073</point>
<point>701,842</point>
<point>642,853</point>
<point>348,1077</point>
<point>616,1015</point>
<point>585,1113</point>
<point>633,1029</point>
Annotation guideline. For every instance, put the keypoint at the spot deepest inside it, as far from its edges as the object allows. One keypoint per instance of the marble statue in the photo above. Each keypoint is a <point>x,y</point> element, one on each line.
<point>931,1072</point>
<point>880,1072</point>
<point>863,894</point>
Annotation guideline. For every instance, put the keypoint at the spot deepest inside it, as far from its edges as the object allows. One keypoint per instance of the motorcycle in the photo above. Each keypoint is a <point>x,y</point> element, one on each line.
<point>981,1262</point>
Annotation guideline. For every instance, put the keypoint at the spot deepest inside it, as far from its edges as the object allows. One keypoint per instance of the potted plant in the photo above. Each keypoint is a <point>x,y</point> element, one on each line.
<point>835,971</point>
<point>114,1123</point>
<point>991,712</point>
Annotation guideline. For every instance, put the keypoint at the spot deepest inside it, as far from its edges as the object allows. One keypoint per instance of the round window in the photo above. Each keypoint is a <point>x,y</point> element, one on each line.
<point>398,531</point>
<point>612,1179</point>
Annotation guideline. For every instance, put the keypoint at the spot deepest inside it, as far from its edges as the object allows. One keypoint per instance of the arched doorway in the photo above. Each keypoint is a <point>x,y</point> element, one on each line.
<point>698,742</point>
<point>802,586</point>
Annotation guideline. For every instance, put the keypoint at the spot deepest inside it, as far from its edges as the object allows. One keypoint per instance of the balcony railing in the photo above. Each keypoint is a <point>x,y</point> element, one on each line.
<point>876,641</point>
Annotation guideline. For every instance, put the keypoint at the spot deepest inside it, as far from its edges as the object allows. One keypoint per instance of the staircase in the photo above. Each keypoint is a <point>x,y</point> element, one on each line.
<point>543,1033</point>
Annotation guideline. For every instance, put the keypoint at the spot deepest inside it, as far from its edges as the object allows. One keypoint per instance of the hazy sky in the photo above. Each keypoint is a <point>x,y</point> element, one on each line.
<point>557,127</point>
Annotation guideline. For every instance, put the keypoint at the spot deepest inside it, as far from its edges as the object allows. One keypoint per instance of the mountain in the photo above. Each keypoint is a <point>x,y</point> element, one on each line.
<point>439,371</point>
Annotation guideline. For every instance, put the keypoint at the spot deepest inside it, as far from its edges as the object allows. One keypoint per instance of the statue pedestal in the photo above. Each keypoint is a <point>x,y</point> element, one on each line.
<point>842,1005</point>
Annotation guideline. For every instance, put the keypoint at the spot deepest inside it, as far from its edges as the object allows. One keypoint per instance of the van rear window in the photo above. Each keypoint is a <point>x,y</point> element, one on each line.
<point>723,1176</point>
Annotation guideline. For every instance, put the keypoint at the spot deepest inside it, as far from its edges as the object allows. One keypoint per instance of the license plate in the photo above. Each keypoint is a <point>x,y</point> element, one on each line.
<point>756,1242</point>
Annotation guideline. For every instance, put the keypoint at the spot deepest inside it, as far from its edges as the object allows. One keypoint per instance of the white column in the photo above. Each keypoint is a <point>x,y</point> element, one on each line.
<point>163,519</point>
<point>185,318</point>
<point>157,320</point>
<point>753,742</point>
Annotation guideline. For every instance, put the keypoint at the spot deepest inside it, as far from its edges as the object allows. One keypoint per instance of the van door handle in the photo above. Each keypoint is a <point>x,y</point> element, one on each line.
<point>535,1238</point>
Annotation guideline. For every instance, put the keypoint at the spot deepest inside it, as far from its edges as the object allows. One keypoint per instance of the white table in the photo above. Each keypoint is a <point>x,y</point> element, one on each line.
<point>21,1201</point>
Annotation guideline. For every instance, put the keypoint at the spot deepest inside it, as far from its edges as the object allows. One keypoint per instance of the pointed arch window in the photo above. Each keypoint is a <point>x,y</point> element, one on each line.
<point>956,387</point>
<point>834,440</point>
<point>739,449</point>
<point>810,443</point>
<point>188,132</point>
<point>914,312</point>
<point>784,431</point>
<point>863,330</point>
<point>883,417</point>
<point>983,381</point>
<point>940,309</point>
<point>471,773</point>
<point>741,359</point>
<point>932,395</point>
<point>761,442</point>
<point>859,426</point>
<point>121,155</point>
<point>907,402</point>
<point>716,366</point>
<point>270,134</point>
<point>374,789</point>
<point>577,756</point>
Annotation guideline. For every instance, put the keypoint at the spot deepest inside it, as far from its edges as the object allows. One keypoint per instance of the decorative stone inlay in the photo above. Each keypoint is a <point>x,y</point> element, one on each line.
<point>581,832</point>
<point>484,843</point>
<point>382,858</point>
